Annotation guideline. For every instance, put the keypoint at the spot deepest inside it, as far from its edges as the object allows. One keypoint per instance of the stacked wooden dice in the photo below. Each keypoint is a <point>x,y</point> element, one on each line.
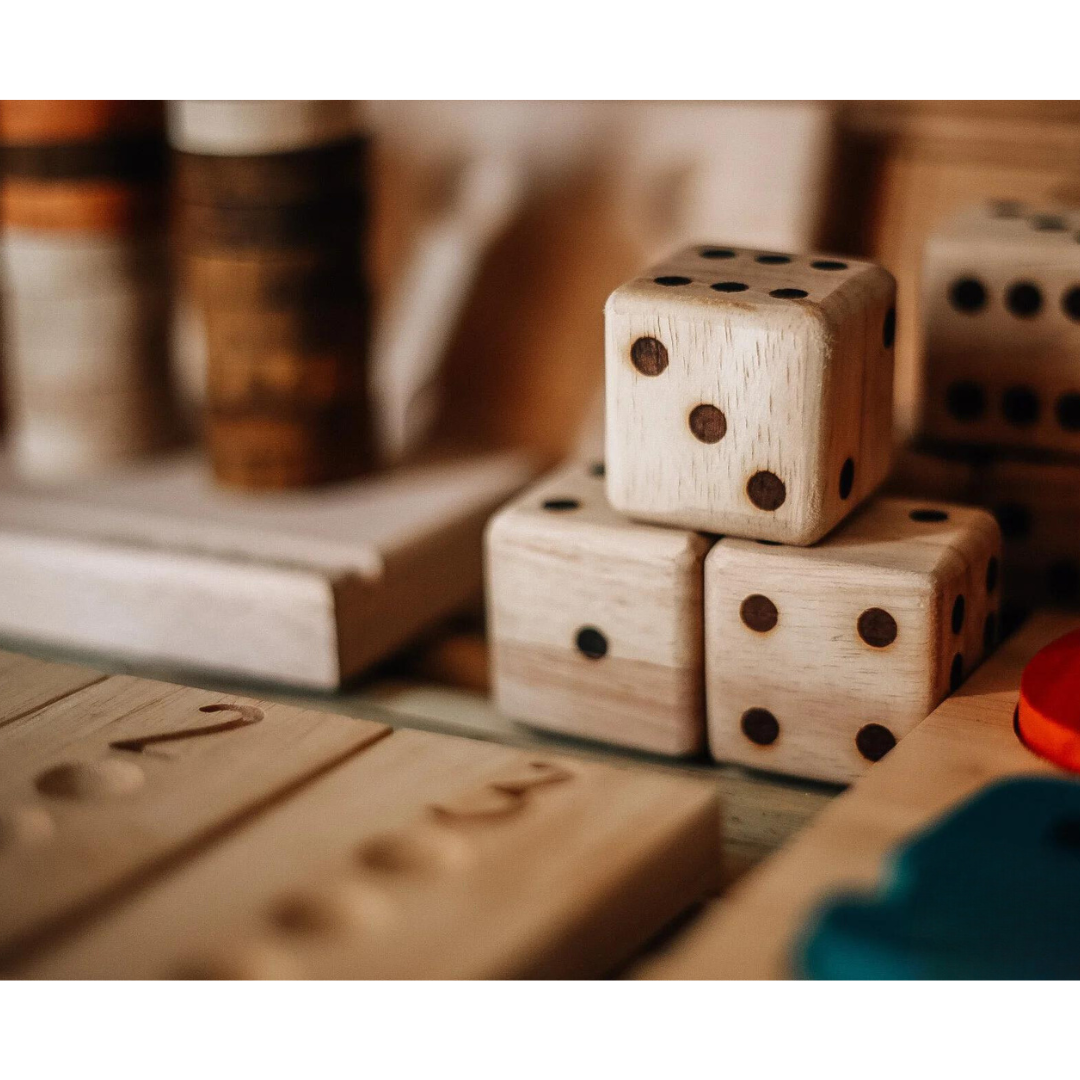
<point>998,410</point>
<point>739,587</point>
<point>272,204</point>
<point>84,293</point>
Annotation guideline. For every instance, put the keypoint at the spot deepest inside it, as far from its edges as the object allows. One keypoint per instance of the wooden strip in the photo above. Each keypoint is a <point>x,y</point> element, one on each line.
<point>80,205</point>
<point>109,816</point>
<point>270,179</point>
<point>30,684</point>
<point>426,856</point>
<point>62,121</point>
<point>966,743</point>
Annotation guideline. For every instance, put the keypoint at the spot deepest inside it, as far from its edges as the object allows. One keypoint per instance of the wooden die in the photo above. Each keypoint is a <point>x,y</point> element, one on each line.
<point>595,622</point>
<point>749,393</point>
<point>1001,320</point>
<point>817,660</point>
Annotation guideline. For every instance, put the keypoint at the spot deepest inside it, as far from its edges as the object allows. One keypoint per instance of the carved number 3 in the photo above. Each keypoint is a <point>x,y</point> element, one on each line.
<point>247,715</point>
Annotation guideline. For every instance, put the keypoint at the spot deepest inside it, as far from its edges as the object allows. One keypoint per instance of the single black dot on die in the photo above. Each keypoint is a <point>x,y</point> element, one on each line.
<point>877,627</point>
<point>956,673</point>
<point>774,260</point>
<point>847,478</point>
<point>1070,302</point>
<point>789,294</point>
<point>561,504</point>
<point>967,295</point>
<point>759,613</point>
<point>888,329</point>
<point>649,356</point>
<point>766,490</point>
<point>1014,520</point>
<point>1063,581</point>
<point>1023,299</point>
<point>965,401</point>
<point>597,469</point>
<point>874,741</point>
<point>926,515</point>
<point>707,423</point>
<point>1067,410</point>
<point>958,611</point>
<point>671,280</point>
<point>717,253</point>
<point>730,286</point>
<point>760,726</point>
<point>990,632</point>
<point>828,264</point>
<point>1006,208</point>
<point>1049,223</point>
<point>992,574</point>
<point>591,643</point>
<point>1020,406</point>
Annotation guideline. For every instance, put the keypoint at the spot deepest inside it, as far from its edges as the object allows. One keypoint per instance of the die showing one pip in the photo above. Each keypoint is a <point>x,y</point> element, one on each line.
<point>1001,321</point>
<point>595,622</point>
<point>749,393</point>
<point>818,659</point>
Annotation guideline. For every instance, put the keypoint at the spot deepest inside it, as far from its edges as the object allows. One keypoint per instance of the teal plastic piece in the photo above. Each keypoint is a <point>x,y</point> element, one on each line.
<point>991,891</point>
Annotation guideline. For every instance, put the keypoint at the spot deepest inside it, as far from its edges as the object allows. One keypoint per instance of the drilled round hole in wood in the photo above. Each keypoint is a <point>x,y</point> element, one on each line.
<point>591,643</point>
<point>967,295</point>
<point>560,505</point>
<point>1049,223</point>
<point>597,469</point>
<point>1067,411</point>
<point>766,490</point>
<point>707,423</point>
<point>760,726</point>
<point>774,260</point>
<point>828,264</point>
<point>847,478</point>
<point>877,627</point>
<point>926,515</point>
<point>789,294</point>
<point>1070,303</point>
<point>759,613</point>
<point>959,609</point>
<point>1020,406</point>
<point>730,286</point>
<point>717,253</point>
<point>874,741</point>
<point>649,356</point>
<point>965,401</point>
<point>1024,299</point>
<point>672,280</point>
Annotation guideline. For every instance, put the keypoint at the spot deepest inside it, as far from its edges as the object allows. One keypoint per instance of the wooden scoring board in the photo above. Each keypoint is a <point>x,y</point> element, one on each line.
<point>304,589</point>
<point>966,743</point>
<point>292,843</point>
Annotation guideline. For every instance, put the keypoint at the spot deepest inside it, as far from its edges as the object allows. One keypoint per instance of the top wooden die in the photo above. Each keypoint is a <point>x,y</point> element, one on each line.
<point>749,393</point>
<point>1001,317</point>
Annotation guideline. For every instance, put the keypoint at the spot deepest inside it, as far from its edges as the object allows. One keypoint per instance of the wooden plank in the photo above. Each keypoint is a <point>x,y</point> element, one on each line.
<point>307,588</point>
<point>29,683</point>
<point>425,856</point>
<point>87,813</point>
<point>965,744</point>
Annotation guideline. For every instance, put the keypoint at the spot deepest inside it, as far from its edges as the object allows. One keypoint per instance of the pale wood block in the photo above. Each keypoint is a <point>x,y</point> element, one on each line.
<point>1037,505</point>
<point>156,564</point>
<point>967,743</point>
<point>259,127</point>
<point>817,660</point>
<point>748,392</point>
<point>30,684</point>
<point>1001,310</point>
<point>425,856</point>
<point>595,622</point>
<point>113,808</point>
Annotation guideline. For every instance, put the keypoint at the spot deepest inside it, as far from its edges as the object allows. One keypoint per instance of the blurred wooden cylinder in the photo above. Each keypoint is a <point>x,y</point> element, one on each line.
<point>84,283</point>
<point>273,216</point>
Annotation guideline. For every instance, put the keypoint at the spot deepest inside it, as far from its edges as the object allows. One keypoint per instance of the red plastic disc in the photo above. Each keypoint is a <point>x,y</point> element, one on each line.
<point>1048,715</point>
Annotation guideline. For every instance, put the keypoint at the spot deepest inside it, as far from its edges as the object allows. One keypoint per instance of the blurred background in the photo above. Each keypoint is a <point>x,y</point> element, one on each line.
<point>301,293</point>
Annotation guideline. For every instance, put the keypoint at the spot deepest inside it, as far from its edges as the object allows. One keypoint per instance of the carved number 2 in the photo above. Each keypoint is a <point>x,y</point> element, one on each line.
<point>248,714</point>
